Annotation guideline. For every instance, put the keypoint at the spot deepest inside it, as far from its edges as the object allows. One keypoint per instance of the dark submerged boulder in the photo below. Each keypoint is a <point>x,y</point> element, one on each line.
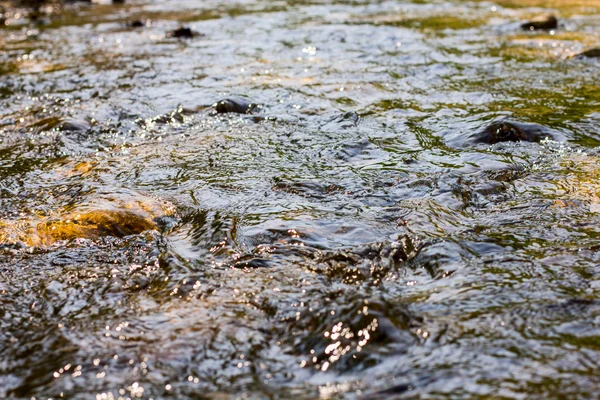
<point>136,24</point>
<point>182,33</point>
<point>592,53</point>
<point>544,22</point>
<point>506,130</point>
<point>237,105</point>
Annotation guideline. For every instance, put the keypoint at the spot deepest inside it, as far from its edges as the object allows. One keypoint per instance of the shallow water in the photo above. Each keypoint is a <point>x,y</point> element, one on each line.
<point>348,240</point>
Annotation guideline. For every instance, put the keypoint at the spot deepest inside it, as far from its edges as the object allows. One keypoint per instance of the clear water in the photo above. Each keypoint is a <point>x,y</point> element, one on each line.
<point>347,241</point>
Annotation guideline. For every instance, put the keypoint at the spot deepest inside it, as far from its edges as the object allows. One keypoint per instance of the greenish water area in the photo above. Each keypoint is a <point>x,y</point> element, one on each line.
<point>408,207</point>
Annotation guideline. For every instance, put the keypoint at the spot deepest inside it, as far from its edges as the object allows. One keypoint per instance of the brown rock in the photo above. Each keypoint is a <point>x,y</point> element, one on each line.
<point>94,224</point>
<point>87,225</point>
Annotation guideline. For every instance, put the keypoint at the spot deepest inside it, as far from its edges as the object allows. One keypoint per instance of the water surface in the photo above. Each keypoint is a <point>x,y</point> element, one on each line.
<point>348,240</point>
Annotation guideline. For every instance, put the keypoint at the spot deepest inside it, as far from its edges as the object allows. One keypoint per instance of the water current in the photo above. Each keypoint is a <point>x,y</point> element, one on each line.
<point>410,208</point>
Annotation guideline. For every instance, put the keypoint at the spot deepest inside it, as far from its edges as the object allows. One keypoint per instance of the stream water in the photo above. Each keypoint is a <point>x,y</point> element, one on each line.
<point>350,238</point>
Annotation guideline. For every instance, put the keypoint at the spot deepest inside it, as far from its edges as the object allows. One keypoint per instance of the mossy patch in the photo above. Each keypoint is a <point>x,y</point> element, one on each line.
<point>565,6</point>
<point>427,23</point>
<point>435,22</point>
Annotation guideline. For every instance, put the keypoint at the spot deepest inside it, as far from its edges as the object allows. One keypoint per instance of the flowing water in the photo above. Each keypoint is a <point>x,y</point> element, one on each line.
<point>351,238</point>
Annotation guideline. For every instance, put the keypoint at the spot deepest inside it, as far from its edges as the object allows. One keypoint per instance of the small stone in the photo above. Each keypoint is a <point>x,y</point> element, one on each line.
<point>544,22</point>
<point>136,24</point>
<point>182,32</point>
<point>236,105</point>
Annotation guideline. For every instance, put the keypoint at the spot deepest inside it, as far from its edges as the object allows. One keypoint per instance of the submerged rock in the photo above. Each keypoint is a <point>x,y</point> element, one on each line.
<point>544,22</point>
<point>124,215</point>
<point>61,124</point>
<point>136,24</point>
<point>237,105</point>
<point>74,125</point>
<point>93,225</point>
<point>505,130</point>
<point>88,225</point>
<point>183,33</point>
<point>580,181</point>
<point>592,53</point>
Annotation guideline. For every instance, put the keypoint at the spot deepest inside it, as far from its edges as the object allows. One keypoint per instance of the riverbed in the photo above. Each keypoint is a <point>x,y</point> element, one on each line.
<point>350,237</point>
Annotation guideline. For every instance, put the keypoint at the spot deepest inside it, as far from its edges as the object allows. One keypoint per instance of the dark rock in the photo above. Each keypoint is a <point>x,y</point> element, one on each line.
<point>182,32</point>
<point>593,53</point>
<point>544,22</point>
<point>136,24</point>
<point>74,125</point>
<point>237,105</point>
<point>505,130</point>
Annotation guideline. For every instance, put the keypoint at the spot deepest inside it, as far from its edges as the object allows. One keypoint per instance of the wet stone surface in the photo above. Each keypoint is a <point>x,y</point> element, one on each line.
<point>592,53</point>
<point>505,130</point>
<point>237,105</point>
<point>183,33</point>
<point>542,22</point>
<point>316,199</point>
